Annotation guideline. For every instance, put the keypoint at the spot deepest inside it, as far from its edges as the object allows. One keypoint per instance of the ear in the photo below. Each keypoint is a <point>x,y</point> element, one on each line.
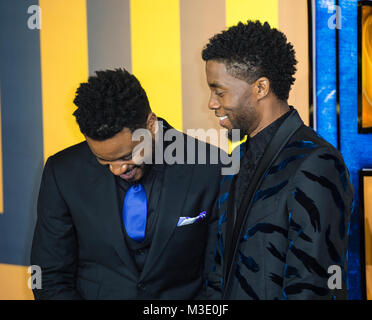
<point>263,87</point>
<point>151,122</point>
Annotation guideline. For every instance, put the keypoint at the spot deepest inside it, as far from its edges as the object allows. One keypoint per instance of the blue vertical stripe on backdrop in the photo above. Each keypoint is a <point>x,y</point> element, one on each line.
<point>22,129</point>
<point>326,104</point>
<point>353,146</point>
<point>356,148</point>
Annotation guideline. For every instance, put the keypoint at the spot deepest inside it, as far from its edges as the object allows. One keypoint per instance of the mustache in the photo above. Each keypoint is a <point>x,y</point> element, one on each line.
<point>134,167</point>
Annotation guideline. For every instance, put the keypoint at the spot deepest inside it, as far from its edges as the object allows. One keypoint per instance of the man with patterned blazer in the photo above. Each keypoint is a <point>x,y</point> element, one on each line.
<point>283,226</point>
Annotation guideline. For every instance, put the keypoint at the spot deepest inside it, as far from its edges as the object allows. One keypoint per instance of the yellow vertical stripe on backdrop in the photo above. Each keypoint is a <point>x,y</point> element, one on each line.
<point>156,55</point>
<point>64,64</point>
<point>13,281</point>
<point>243,10</point>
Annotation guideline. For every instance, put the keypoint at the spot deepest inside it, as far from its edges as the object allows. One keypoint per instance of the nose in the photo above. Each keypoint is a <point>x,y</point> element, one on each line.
<point>213,103</point>
<point>118,168</point>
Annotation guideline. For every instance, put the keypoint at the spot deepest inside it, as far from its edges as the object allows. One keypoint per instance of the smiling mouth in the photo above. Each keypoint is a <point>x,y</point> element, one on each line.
<point>129,174</point>
<point>129,171</point>
<point>223,121</point>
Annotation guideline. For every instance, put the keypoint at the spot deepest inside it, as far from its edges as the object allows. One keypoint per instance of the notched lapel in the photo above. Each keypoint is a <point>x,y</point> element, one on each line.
<point>282,136</point>
<point>177,179</point>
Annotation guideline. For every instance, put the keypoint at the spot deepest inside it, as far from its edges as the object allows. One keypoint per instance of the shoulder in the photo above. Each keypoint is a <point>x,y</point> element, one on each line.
<point>72,155</point>
<point>322,175</point>
<point>322,157</point>
<point>307,148</point>
<point>195,145</point>
<point>193,149</point>
<point>68,167</point>
<point>309,161</point>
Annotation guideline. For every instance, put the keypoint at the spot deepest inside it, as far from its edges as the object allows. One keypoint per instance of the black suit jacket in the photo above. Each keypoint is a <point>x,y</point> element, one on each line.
<point>292,224</point>
<point>79,243</point>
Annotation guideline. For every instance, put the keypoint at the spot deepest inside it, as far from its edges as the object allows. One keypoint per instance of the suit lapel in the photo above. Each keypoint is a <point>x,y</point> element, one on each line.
<point>106,209</point>
<point>231,211</point>
<point>176,182</point>
<point>282,136</point>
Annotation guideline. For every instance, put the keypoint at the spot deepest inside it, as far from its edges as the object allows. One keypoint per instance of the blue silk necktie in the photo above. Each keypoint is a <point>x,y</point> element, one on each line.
<point>135,212</point>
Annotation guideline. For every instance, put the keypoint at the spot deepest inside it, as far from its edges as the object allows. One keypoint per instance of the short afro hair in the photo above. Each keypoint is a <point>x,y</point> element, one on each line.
<point>109,102</point>
<point>253,50</point>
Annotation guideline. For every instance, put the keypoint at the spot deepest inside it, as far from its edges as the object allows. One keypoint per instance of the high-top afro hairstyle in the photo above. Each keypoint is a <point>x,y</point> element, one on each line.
<point>252,50</point>
<point>109,102</point>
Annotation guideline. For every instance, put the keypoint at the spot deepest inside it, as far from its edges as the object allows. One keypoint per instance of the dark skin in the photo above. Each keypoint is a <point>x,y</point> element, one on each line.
<point>116,152</point>
<point>248,107</point>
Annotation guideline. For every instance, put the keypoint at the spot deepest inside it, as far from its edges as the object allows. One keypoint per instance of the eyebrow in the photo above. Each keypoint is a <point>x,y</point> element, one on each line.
<point>124,156</point>
<point>215,85</point>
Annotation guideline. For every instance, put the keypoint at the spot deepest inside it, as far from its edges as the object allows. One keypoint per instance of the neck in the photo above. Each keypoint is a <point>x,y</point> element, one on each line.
<point>271,112</point>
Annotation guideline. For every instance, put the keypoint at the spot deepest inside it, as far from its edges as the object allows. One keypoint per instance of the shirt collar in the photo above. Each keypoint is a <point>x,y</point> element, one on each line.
<point>259,142</point>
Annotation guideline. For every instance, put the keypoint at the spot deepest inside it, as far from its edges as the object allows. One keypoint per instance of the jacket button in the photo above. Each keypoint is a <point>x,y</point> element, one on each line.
<point>141,286</point>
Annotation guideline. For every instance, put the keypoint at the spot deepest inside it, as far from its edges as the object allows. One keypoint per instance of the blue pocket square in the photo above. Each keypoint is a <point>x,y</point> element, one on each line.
<point>183,221</point>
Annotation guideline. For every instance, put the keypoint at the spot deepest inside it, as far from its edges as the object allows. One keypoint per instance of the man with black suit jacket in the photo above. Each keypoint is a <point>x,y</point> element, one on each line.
<point>283,226</point>
<point>110,226</point>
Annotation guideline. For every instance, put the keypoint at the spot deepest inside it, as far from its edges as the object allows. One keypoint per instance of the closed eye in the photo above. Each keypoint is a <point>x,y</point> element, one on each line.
<point>124,158</point>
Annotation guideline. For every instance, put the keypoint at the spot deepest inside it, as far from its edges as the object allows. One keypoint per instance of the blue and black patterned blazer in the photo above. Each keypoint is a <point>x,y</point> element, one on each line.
<point>295,226</point>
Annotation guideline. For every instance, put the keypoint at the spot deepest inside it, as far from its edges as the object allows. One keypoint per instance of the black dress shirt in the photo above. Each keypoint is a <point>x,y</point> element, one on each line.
<point>254,149</point>
<point>152,182</point>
